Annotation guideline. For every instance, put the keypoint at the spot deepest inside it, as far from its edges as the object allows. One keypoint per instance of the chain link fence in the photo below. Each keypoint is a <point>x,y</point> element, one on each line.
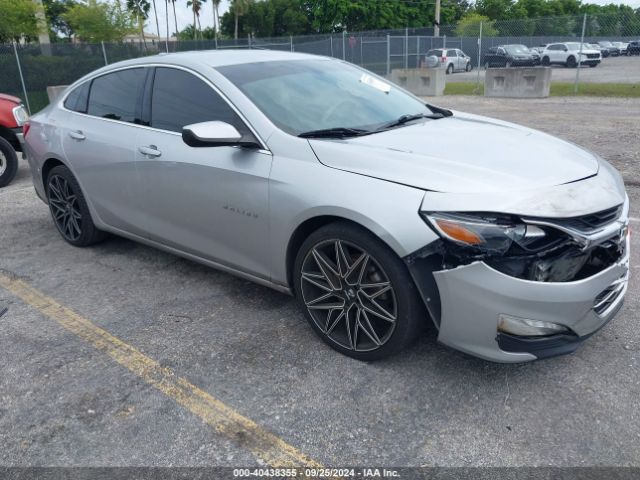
<point>26,70</point>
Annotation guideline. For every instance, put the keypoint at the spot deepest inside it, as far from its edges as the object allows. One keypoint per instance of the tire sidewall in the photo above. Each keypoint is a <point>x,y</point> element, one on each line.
<point>11,158</point>
<point>410,312</point>
<point>88,230</point>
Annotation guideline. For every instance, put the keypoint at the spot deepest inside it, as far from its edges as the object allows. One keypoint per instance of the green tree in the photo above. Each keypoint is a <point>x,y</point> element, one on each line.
<point>17,20</point>
<point>469,26</point>
<point>99,21</point>
<point>54,11</point>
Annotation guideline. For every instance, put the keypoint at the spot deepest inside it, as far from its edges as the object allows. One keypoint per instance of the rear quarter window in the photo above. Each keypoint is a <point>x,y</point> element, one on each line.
<point>76,101</point>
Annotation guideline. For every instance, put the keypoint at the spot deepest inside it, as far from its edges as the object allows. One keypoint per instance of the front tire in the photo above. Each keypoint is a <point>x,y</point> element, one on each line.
<point>8,163</point>
<point>571,62</point>
<point>69,209</point>
<point>468,67</point>
<point>356,293</point>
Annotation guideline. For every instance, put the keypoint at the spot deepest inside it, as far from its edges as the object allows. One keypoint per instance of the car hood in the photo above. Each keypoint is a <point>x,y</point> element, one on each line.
<point>462,153</point>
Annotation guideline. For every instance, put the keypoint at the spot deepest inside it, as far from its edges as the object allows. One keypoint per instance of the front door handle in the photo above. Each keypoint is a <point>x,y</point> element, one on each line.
<point>150,151</point>
<point>77,135</point>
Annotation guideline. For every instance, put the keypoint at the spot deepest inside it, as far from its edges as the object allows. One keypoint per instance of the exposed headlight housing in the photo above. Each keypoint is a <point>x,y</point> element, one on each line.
<point>484,232</point>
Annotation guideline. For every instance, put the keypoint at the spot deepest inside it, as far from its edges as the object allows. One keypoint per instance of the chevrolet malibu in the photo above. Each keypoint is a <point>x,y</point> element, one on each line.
<point>327,182</point>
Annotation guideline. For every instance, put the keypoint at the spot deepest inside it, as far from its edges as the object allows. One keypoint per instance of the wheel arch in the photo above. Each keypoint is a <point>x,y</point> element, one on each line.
<point>48,165</point>
<point>311,224</point>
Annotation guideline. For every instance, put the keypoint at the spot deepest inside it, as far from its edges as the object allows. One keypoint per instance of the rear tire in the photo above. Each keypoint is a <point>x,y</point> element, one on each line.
<point>8,163</point>
<point>450,69</point>
<point>69,209</point>
<point>356,293</point>
<point>546,61</point>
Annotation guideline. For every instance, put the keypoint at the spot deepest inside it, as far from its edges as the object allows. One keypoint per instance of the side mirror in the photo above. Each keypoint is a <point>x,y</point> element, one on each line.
<point>210,134</point>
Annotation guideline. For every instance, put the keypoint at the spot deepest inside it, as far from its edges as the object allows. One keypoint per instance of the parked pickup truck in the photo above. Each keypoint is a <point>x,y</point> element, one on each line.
<point>13,117</point>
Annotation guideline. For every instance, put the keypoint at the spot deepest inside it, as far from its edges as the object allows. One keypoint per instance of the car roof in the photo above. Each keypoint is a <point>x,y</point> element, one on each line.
<point>200,59</point>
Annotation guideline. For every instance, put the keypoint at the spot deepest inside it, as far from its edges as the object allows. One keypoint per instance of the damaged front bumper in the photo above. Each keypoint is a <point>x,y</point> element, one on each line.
<point>472,297</point>
<point>580,288</point>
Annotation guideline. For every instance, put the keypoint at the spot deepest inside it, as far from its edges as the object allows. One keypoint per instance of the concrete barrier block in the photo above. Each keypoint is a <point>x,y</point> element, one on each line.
<point>427,82</point>
<point>55,91</point>
<point>530,82</point>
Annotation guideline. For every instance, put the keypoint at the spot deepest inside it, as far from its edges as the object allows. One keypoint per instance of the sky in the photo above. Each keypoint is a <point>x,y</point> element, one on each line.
<point>185,16</point>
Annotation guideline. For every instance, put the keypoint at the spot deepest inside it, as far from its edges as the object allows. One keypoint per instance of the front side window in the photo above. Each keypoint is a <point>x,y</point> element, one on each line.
<point>116,95</point>
<point>306,95</point>
<point>180,98</point>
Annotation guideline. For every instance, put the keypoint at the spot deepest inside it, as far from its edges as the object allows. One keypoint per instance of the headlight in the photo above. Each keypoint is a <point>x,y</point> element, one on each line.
<point>489,233</point>
<point>20,114</point>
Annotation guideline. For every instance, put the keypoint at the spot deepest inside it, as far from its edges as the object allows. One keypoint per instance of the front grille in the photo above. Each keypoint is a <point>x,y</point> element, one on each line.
<point>608,296</point>
<point>591,222</point>
<point>593,55</point>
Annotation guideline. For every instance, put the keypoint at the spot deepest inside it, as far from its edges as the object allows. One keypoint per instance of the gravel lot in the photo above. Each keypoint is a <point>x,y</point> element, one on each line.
<point>62,402</point>
<point>611,70</point>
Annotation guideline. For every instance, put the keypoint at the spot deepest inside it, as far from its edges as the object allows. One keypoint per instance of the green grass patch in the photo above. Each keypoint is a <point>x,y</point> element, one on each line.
<point>631,90</point>
<point>596,89</point>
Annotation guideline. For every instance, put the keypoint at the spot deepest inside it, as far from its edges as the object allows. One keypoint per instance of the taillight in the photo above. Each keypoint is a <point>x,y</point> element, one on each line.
<point>443,59</point>
<point>25,129</point>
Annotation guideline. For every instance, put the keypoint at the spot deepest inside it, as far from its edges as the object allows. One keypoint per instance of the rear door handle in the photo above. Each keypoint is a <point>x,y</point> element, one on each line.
<point>77,135</point>
<point>150,151</point>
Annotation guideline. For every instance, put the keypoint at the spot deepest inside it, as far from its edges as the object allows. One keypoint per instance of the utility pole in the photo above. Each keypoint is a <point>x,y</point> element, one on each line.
<point>436,22</point>
<point>43,29</point>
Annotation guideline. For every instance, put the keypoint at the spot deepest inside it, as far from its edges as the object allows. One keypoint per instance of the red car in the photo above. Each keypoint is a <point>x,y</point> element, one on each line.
<point>13,116</point>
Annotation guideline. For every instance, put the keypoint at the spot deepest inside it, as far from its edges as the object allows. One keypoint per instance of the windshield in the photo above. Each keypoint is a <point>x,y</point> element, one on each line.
<point>306,95</point>
<point>573,46</point>
<point>516,49</point>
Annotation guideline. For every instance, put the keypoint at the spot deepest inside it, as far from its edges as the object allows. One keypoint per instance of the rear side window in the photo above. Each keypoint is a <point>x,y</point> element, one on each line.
<point>115,95</point>
<point>77,99</point>
<point>180,98</point>
<point>437,53</point>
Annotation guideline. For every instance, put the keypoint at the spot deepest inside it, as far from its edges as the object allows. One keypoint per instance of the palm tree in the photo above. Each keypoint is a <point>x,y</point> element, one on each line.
<point>196,6</point>
<point>166,17</point>
<point>175,17</point>
<point>155,14</point>
<point>140,10</point>
<point>216,16</point>
<point>239,8</point>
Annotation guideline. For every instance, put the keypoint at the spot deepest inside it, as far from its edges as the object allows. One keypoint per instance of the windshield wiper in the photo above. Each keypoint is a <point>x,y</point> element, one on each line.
<point>410,118</point>
<point>337,132</point>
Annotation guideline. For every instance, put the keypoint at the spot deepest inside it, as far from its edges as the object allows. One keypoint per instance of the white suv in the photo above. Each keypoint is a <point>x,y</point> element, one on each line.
<point>569,55</point>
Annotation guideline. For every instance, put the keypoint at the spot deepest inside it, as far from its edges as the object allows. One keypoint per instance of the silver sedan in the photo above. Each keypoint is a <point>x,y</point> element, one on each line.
<point>380,213</point>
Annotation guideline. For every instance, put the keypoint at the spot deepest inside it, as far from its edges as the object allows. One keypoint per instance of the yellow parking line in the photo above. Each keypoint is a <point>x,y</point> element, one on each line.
<point>243,431</point>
